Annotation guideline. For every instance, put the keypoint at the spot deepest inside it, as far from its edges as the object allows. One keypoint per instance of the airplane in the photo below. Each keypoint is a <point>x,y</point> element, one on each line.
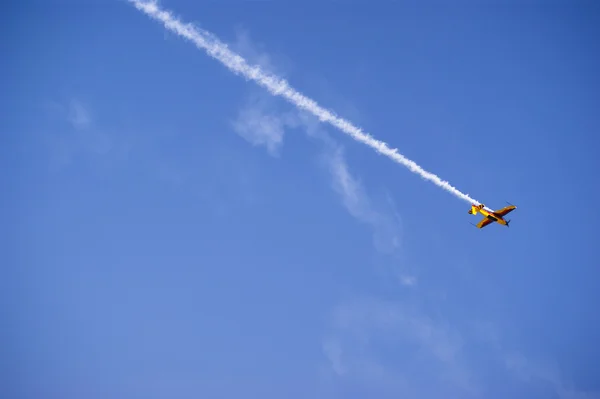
<point>491,216</point>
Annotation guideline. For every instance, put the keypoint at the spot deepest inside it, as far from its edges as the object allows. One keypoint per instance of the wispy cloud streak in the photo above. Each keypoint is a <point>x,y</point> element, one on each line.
<point>280,87</point>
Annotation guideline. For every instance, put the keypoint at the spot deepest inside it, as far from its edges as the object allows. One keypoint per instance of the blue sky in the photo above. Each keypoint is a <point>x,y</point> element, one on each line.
<point>172,230</point>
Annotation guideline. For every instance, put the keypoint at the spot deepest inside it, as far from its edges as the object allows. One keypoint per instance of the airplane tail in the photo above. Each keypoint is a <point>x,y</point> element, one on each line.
<point>474,209</point>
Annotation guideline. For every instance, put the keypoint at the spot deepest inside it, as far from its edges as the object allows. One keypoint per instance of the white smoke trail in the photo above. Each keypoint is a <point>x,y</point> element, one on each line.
<point>280,87</point>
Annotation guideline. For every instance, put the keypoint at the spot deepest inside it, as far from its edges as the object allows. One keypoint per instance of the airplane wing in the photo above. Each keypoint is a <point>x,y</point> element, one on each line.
<point>484,222</point>
<point>505,210</point>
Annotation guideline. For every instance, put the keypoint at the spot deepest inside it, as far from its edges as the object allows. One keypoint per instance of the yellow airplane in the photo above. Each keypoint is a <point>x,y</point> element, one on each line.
<point>491,216</point>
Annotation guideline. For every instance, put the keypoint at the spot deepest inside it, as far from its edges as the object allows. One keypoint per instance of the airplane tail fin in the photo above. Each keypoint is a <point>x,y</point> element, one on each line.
<point>474,209</point>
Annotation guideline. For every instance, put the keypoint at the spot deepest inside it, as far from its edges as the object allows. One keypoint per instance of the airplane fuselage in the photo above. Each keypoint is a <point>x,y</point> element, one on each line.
<point>492,217</point>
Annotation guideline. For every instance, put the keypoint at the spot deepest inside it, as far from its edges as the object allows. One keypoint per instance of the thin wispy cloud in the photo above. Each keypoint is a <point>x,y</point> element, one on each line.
<point>385,223</point>
<point>538,375</point>
<point>259,120</point>
<point>78,115</point>
<point>261,127</point>
<point>263,121</point>
<point>72,134</point>
<point>543,375</point>
<point>408,280</point>
<point>399,342</point>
